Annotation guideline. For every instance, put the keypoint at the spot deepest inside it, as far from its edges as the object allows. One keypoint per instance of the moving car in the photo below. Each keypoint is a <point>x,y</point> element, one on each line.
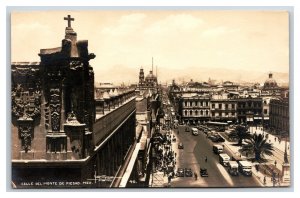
<point>203,172</point>
<point>180,145</point>
<point>245,168</point>
<point>180,172</point>
<point>217,149</point>
<point>233,168</point>
<point>195,131</point>
<point>188,172</point>
<point>224,159</point>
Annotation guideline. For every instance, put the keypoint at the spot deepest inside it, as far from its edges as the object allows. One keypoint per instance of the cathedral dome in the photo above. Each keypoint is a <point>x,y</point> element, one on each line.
<point>151,76</point>
<point>270,82</point>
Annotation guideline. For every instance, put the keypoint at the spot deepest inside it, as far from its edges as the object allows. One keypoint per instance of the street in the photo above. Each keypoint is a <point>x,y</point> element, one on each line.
<point>193,156</point>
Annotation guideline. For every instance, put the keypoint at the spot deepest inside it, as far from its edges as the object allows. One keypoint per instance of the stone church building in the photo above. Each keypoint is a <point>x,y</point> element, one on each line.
<point>61,135</point>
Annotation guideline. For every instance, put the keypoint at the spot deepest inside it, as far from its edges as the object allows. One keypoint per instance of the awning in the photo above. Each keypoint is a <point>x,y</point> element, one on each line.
<point>257,118</point>
<point>249,119</point>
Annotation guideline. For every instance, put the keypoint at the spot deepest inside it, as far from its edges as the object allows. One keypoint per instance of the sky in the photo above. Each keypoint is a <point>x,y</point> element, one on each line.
<point>185,44</point>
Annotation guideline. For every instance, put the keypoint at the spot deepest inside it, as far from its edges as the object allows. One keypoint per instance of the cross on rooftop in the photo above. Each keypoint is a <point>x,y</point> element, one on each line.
<point>69,19</point>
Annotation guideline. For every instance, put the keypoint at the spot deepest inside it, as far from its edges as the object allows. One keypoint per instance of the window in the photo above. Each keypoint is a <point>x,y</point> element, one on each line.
<point>220,106</point>
<point>226,106</point>
<point>191,112</point>
<point>185,103</point>
<point>213,114</point>
<point>226,114</point>
<point>201,103</point>
<point>201,112</point>
<point>196,103</point>
<point>265,111</point>
<point>196,112</point>
<point>191,103</point>
<point>185,113</point>
<point>233,106</point>
<point>206,112</point>
<point>213,106</point>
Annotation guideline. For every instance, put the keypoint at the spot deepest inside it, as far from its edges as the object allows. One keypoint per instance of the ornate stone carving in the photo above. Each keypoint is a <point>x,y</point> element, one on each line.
<point>55,109</point>
<point>76,64</point>
<point>26,91</point>
<point>25,132</point>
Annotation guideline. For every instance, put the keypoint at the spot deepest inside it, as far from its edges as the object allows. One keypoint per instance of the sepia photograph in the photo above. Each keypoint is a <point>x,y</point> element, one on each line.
<point>150,98</point>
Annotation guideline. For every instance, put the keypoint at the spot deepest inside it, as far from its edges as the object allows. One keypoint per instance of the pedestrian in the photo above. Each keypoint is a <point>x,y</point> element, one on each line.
<point>175,154</point>
<point>205,158</point>
<point>196,176</point>
<point>265,180</point>
<point>275,139</point>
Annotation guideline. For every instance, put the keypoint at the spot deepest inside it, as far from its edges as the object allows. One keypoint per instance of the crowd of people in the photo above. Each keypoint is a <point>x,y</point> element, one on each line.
<point>165,157</point>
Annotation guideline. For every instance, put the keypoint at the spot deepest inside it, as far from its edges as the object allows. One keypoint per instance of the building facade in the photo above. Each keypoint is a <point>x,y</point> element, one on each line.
<point>194,108</point>
<point>62,134</point>
<point>223,109</point>
<point>279,116</point>
<point>249,110</point>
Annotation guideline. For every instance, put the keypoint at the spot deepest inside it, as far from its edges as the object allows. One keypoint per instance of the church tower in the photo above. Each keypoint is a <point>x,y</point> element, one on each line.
<point>68,96</point>
<point>141,77</point>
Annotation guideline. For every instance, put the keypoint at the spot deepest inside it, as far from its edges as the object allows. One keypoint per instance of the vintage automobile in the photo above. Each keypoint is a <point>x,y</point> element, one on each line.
<point>180,146</point>
<point>218,138</point>
<point>188,172</point>
<point>203,172</point>
<point>180,172</point>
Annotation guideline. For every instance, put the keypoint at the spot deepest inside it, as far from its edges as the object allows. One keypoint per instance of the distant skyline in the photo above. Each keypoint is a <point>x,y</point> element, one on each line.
<point>185,44</point>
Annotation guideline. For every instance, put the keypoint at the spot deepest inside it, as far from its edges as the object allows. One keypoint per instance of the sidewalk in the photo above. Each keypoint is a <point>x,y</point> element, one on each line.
<point>158,178</point>
<point>280,145</point>
<point>234,151</point>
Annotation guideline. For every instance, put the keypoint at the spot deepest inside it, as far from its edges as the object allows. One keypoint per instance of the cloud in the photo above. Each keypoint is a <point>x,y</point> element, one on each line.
<point>218,31</point>
<point>175,23</point>
<point>126,25</point>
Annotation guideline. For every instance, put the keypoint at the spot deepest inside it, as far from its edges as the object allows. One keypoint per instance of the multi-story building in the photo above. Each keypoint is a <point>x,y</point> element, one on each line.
<point>279,116</point>
<point>223,109</point>
<point>194,108</point>
<point>249,110</point>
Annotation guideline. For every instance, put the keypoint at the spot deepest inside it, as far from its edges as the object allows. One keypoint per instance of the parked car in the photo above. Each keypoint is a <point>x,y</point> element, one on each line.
<point>188,172</point>
<point>180,172</point>
<point>180,145</point>
<point>203,172</point>
<point>218,138</point>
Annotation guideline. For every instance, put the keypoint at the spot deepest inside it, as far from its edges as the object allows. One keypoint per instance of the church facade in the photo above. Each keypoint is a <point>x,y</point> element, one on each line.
<point>62,136</point>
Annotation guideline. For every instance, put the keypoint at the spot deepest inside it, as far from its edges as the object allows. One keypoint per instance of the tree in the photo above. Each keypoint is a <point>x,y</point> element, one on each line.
<point>258,145</point>
<point>241,133</point>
